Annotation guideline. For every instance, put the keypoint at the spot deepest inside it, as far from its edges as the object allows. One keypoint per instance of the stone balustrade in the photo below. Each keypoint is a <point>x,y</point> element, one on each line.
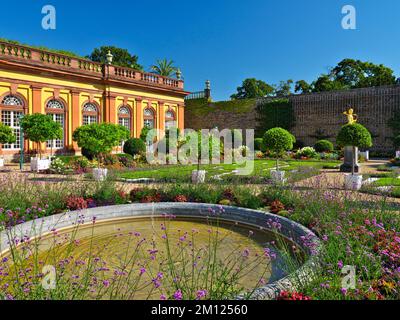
<point>63,62</point>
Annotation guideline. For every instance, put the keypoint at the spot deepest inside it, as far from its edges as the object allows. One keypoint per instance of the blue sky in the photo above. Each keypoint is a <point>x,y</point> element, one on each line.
<point>225,41</point>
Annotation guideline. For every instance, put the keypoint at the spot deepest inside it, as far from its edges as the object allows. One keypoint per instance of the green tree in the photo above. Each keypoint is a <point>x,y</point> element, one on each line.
<point>358,74</point>
<point>326,83</point>
<point>253,88</point>
<point>283,89</point>
<point>354,135</point>
<point>279,141</point>
<point>164,68</point>
<point>302,86</point>
<point>100,139</point>
<point>6,135</point>
<point>39,128</point>
<point>121,57</point>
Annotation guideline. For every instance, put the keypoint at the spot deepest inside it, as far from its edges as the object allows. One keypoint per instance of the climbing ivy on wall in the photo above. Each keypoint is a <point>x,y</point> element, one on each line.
<point>274,113</point>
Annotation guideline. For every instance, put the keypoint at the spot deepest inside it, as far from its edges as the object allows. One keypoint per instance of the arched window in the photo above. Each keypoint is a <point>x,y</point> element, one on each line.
<point>124,117</point>
<point>170,121</point>
<point>149,118</point>
<point>12,108</point>
<point>55,109</point>
<point>12,100</point>
<point>90,113</point>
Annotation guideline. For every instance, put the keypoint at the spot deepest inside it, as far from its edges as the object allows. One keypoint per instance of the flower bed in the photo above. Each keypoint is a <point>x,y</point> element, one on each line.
<point>365,237</point>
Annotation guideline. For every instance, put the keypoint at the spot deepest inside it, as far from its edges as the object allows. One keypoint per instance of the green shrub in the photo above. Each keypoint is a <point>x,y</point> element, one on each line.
<point>100,139</point>
<point>40,128</point>
<point>6,134</point>
<point>278,140</point>
<point>355,135</point>
<point>134,146</point>
<point>259,144</point>
<point>307,152</point>
<point>323,146</point>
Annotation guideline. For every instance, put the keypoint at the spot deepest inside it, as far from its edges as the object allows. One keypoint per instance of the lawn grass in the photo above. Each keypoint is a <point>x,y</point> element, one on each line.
<point>387,182</point>
<point>182,173</point>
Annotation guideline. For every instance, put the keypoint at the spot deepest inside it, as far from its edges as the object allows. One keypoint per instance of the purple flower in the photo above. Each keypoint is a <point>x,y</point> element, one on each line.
<point>106,283</point>
<point>142,271</point>
<point>340,264</point>
<point>201,294</point>
<point>177,295</point>
<point>343,291</point>
<point>163,297</point>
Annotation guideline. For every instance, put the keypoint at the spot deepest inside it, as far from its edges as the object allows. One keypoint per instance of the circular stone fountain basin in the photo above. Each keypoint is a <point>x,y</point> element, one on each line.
<point>148,221</point>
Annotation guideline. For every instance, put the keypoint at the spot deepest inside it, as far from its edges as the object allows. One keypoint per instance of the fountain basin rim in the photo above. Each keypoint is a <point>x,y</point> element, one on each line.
<point>253,218</point>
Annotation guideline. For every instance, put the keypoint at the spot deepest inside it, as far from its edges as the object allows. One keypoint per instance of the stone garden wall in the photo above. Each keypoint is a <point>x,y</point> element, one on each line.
<point>318,115</point>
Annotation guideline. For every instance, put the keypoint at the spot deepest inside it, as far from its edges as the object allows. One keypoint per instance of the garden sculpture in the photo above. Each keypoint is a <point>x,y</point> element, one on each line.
<point>351,116</point>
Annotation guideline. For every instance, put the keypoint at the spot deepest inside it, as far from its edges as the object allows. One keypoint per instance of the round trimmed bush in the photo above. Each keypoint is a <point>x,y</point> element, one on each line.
<point>134,146</point>
<point>278,140</point>
<point>323,146</point>
<point>355,135</point>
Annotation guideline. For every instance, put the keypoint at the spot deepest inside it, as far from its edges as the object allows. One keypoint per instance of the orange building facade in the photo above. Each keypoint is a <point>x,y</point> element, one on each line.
<point>76,92</point>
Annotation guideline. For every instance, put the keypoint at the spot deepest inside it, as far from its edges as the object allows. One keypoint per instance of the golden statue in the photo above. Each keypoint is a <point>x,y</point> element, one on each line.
<point>351,116</point>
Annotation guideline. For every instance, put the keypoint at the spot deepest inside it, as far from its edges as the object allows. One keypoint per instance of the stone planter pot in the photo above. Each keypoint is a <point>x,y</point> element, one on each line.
<point>40,164</point>
<point>353,182</point>
<point>100,174</point>
<point>278,176</point>
<point>198,176</point>
<point>1,162</point>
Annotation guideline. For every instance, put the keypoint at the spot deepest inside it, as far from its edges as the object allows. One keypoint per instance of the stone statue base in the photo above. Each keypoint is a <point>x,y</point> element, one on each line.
<point>348,160</point>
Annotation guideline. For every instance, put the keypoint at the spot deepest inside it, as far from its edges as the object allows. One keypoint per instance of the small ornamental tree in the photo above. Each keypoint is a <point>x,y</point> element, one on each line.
<point>279,141</point>
<point>323,146</point>
<point>40,128</point>
<point>6,135</point>
<point>354,135</point>
<point>100,139</point>
<point>134,146</point>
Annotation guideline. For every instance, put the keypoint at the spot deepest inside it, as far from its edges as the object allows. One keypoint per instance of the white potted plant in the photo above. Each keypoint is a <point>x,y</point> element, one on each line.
<point>100,139</point>
<point>355,136</point>
<point>40,128</point>
<point>278,141</point>
<point>198,175</point>
<point>6,136</point>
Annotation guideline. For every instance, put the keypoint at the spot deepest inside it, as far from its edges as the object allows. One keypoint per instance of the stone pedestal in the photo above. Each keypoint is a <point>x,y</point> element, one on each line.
<point>348,160</point>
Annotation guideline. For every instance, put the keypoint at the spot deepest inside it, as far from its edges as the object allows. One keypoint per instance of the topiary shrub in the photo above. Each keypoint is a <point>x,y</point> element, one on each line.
<point>134,146</point>
<point>323,146</point>
<point>355,135</point>
<point>100,139</point>
<point>40,128</point>
<point>279,141</point>
<point>259,144</point>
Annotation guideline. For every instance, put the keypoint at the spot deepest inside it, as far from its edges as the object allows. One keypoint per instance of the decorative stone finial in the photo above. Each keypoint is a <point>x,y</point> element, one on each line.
<point>109,57</point>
